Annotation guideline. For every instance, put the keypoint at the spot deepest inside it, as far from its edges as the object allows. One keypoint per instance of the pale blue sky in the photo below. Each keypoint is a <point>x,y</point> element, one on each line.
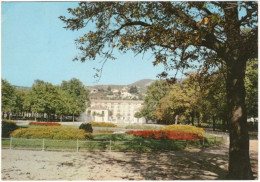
<point>36,46</point>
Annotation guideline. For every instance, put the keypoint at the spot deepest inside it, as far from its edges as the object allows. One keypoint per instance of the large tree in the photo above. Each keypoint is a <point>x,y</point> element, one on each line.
<point>179,34</point>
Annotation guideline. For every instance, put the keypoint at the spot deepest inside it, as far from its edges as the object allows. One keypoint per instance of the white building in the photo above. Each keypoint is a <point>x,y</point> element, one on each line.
<point>126,95</point>
<point>98,113</point>
<point>117,111</point>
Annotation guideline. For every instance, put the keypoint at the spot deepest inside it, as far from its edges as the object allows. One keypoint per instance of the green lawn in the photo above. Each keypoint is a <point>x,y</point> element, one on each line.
<point>114,142</point>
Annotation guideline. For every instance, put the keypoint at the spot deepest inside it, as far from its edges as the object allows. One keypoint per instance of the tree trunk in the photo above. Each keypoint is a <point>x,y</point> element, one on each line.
<point>9,116</point>
<point>176,119</point>
<point>239,161</point>
<point>198,120</point>
<point>224,128</point>
<point>214,123</point>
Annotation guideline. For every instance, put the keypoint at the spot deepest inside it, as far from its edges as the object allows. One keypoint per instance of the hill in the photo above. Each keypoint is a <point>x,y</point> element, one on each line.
<point>142,83</point>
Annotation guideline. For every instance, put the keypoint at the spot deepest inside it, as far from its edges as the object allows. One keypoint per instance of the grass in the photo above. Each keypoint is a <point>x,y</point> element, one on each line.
<point>119,142</point>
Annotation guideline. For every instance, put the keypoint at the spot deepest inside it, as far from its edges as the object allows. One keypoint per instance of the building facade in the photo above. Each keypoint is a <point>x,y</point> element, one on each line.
<point>116,111</point>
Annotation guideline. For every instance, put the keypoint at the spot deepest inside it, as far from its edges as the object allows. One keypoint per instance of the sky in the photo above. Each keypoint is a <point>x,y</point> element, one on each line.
<point>35,45</point>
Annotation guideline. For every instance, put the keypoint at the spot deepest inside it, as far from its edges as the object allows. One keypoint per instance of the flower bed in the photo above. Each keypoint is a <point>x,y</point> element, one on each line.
<point>44,123</point>
<point>52,132</point>
<point>185,128</point>
<point>102,124</point>
<point>171,135</point>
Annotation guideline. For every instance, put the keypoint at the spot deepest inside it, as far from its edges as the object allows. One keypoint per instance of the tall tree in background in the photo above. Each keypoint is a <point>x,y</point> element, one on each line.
<point>8,98</point>
<point>44,98</point>
<point>251,81</point>
<point>178,34</point>
<point>77,97</point>
<point>155,92</point>
<point>174,106</point>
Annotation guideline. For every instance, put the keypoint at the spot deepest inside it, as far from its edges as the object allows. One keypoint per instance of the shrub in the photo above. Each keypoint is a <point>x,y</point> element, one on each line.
<point>171,135</point>
<point>102,124</point>
<point>87,127</point>
<point>44,123</point>
<point>7,127</point>
<point>185,128</point>
<point>52,132</point>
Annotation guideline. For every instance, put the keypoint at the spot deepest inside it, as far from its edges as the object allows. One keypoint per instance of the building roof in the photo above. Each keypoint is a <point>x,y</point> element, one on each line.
<point>118,101</point>
<point>98,107</point>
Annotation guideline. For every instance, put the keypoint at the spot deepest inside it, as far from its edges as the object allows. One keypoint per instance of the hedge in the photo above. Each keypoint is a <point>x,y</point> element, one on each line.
<point>52,132</point>
<point>86,127</point>
<point>102,124</point>
<point>7,127</point>
<point>171,135</point>
<point>185,128</point>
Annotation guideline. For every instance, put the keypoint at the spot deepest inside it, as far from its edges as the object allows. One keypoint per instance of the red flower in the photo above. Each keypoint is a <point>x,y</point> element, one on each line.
<point>45,123</point>
<point>172,135</point>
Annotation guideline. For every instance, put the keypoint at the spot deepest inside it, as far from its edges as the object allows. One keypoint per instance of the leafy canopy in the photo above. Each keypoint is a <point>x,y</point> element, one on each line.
<point>177,33</point>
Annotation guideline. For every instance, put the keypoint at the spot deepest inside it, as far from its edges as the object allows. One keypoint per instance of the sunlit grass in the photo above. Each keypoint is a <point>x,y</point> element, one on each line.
<point>114,142</point>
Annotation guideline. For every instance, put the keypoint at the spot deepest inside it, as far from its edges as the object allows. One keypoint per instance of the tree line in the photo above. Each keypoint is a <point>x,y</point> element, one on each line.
<point>45,101</point>
<point>198,98</point>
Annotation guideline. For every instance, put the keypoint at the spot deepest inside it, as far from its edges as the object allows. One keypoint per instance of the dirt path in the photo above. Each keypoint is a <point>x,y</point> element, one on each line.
<point>199,164</point>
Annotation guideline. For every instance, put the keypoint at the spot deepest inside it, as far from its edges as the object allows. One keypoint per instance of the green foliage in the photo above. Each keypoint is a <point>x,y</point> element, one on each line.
<point>102,124</point>
<point>173,105</point>
<point>133,90</point>
<point>185,128</point>
<point>251,85</point>
<point>44,97</point>
<point>7,127</point>
<point>155,92</point>
<point>86,127</point>
<point>8,97</point>
<point>51,132</point>
<point>76,96</point>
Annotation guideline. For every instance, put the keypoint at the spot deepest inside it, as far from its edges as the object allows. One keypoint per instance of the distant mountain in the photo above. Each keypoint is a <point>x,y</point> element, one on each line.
<point>142,83</point>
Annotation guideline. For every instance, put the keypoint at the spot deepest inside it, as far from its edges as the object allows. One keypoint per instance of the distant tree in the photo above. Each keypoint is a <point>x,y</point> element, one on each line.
<point>109,89</point>
<point>8,98</point>
<point>173,106</point>
<point>44,98</point>
<point>251,85</point>
<point>19,101</point>
<point>155,92</point>
<point>133,90</point>
<point>77,96</point>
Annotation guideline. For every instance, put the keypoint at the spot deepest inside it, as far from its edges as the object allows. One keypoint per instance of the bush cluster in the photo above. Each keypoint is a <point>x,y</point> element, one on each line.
<point>86,127</point>
<point>185,128</point>
<point>102,124</point>
<point>52,132</point>
<point>44,123</point>
<point>7,127</point>
<point>171,135</point>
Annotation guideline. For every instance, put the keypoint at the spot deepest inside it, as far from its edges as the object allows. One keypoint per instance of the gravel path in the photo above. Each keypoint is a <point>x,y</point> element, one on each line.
<point>192,164</point>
